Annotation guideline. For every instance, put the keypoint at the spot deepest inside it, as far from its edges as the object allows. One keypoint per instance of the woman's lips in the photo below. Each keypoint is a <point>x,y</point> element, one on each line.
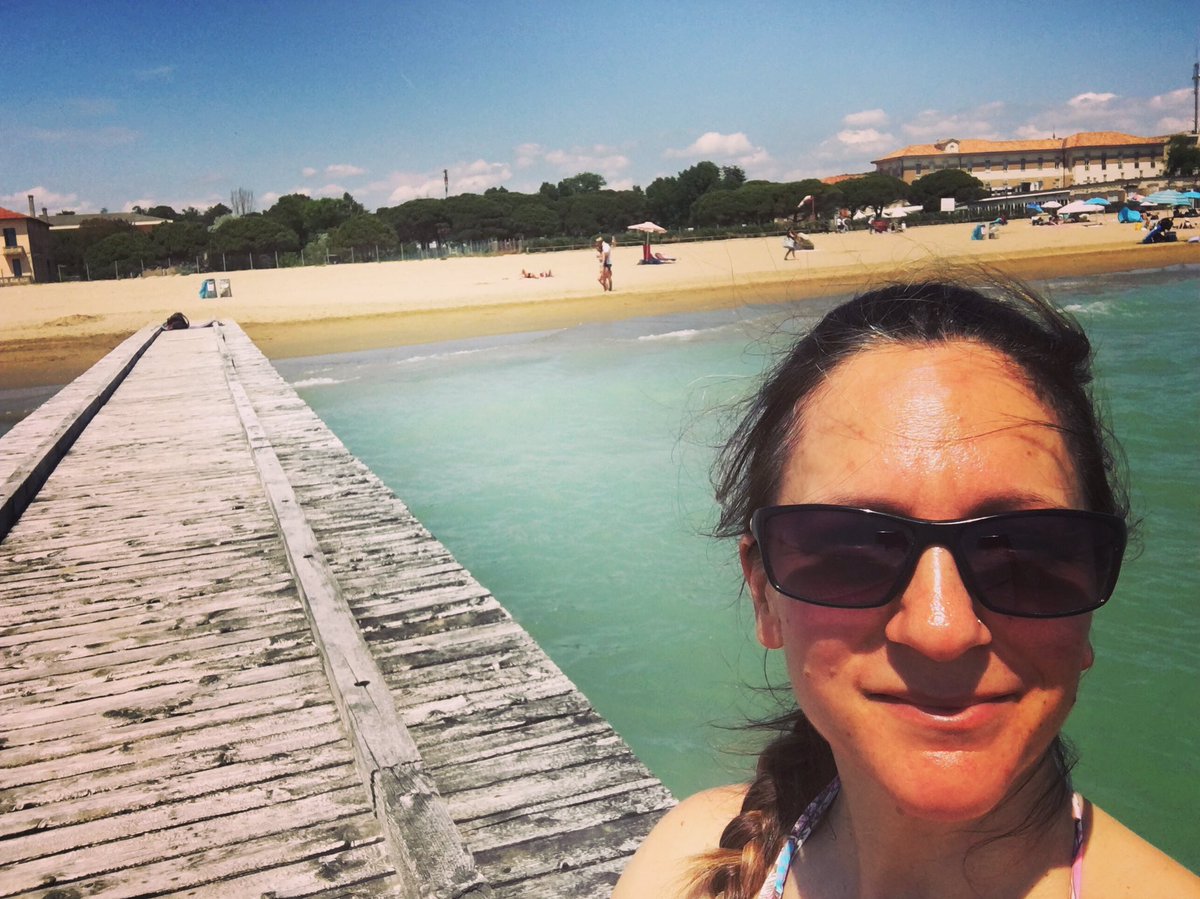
<point>945,712</point>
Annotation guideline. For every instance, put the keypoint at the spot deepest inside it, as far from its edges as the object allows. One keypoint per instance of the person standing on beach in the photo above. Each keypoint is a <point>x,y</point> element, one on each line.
<point>604,249</point>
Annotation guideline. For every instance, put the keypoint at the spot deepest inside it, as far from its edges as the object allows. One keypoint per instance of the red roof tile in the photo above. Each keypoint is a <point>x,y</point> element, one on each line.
<point>9,214</point>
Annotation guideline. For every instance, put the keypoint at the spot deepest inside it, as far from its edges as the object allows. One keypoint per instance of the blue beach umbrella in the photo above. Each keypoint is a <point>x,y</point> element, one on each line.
<point>1166,197</point>
<point>1034,207</point>
<point>1097,201</point>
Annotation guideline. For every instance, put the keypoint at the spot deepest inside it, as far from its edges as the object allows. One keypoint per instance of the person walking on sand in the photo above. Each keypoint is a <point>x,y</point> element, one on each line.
<point>604,250</point>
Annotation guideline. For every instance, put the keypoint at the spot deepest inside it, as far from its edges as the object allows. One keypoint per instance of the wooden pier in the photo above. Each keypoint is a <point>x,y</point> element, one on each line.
<point>232,664</point>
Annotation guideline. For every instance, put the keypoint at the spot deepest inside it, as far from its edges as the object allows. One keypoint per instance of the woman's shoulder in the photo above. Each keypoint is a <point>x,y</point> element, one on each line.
<point>1118,862</point>
<point>662,864</point>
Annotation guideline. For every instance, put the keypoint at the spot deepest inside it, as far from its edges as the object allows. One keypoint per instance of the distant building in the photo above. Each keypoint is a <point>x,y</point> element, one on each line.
<point>838,179</point>
<point>25,250</point>
<point>1090,157</point>
<point>69,221</point>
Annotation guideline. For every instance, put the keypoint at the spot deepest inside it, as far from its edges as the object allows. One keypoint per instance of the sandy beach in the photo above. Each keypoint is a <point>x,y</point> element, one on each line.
<point>50,333</point>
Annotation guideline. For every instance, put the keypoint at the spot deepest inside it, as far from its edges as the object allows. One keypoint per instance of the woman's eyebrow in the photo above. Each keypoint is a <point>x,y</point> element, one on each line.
<point>994,504</point>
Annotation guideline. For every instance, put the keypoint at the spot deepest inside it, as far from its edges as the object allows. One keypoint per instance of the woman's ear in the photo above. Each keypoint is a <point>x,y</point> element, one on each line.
<point>766,621</point>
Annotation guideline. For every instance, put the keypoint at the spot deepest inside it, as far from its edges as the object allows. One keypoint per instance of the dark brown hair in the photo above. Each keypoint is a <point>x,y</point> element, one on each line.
<point>1044,346</point>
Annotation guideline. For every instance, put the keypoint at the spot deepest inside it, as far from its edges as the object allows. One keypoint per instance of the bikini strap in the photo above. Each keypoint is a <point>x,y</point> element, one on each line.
<point>1077,847</point>
<point>803,828</point>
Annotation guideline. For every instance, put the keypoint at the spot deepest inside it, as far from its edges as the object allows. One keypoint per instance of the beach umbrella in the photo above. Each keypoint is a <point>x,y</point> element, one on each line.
<point>1166,197</point>
<point>1077,206</point>
<point>1034,207</point>
<point>1097,201</point>
<point>1192,194</point>
<point>1053,204</point>
<point>647,228</point>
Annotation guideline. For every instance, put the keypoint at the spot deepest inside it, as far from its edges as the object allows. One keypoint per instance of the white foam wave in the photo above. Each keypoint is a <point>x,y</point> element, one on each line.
<point>686,334</point>
<point>435,357</point>
<point>318,382</point>
<point>1096,307</point>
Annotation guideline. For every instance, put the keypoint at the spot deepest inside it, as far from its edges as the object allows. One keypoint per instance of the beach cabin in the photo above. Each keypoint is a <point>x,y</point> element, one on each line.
<point>24,250</point>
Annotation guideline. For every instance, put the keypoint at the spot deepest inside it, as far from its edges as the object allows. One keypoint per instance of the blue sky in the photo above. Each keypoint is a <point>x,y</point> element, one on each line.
<point>109,104</point>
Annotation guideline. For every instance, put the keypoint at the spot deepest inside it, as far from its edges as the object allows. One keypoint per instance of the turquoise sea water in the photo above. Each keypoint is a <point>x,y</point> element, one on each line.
<point>568,471</point>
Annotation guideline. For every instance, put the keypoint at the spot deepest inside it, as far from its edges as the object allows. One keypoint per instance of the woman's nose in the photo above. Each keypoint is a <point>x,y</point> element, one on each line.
<point>935,615</point>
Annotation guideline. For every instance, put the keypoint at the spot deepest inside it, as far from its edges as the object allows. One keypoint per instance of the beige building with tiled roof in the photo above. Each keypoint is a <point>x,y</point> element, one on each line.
<point>24,248</point>
<point>1090,157</point>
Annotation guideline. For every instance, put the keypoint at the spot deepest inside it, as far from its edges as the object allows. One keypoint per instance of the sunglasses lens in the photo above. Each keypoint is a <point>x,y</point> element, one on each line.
<point>834,557</point>
<point>1042,565</point>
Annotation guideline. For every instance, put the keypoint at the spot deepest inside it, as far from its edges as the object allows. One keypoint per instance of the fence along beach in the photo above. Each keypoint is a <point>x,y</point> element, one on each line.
<point>49,333</point>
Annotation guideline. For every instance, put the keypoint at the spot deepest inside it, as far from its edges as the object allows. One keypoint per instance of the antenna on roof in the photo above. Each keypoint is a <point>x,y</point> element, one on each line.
<point>1196,98</point>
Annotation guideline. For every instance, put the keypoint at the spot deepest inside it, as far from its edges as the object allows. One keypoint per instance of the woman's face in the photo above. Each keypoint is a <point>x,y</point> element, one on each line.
<point>933,699</point>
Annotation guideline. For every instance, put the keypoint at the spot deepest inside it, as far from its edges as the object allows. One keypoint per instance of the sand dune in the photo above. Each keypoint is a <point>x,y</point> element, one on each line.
<point>51,332</point>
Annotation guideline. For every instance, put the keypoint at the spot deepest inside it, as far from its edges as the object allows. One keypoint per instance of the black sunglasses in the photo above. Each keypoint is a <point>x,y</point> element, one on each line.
<point>1039,563</point>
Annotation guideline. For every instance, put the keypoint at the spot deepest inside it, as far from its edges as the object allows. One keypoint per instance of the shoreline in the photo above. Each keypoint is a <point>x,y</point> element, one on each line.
<point>50,334</point>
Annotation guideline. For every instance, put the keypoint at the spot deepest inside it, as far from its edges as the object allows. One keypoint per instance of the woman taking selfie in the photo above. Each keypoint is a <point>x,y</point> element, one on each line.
<point>928,516</point>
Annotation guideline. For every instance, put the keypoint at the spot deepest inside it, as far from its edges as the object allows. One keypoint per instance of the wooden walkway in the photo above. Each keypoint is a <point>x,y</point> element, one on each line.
<point>233,664</point>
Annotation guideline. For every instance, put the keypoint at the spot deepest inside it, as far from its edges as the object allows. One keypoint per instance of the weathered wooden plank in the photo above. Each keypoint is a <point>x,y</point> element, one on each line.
<point>196,855</point>
<point>424,842</point>
<point>258,653</point>
<point>24,746</point>
<point>42,778</point>
<point>37,448</point>
<point>334,787</point>
<point>84,798</point>
<point>356,873</point>
<point>161,653</point>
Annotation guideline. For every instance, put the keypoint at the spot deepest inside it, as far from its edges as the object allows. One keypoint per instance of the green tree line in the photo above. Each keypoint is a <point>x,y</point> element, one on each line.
<point>298,228</point>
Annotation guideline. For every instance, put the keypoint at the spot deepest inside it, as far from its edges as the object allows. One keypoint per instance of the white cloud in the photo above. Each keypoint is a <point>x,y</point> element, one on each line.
<point>342,170</point>
<point>528,154</point>
<point>713,143</point>
<point>1174,110</point>
<point>270,198</point>
<point>478,176</point>
<point>980,123</point>
<point>867,139</point>
<point>52,201</point>
<point>404,186</point>
<point>1173,124</point>
<point>598,158</point>
<point>327,190</point>
<point>466,177</point>
<point>868,118</point>
<point>308,171</point>
<point>1090,100</point>
<point>733,148</point>
<point>1171,101</point>
<point>1032,132</point>
<point>1107,111</point>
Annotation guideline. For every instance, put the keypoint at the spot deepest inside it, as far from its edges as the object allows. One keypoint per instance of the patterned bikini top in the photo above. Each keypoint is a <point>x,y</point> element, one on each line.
<point>811,817</point>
